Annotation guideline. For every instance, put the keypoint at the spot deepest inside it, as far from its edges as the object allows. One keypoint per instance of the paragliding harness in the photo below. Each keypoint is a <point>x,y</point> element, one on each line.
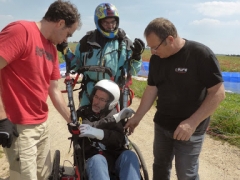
<point>124,81</point>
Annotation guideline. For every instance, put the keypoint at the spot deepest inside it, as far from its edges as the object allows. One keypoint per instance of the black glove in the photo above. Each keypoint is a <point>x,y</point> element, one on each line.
<point>73,129</point>
<point>137,49</point>
<point>62,46</point>
<point>7,130</point>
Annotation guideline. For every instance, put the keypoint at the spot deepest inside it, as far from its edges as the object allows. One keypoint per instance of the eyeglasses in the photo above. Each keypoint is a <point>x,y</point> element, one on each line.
<point>106,23</point>
<point>100,99</point>
<point>155,49</point>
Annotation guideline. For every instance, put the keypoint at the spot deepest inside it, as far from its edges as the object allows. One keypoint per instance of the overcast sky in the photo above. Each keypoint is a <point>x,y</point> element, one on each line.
<point>213,23</point>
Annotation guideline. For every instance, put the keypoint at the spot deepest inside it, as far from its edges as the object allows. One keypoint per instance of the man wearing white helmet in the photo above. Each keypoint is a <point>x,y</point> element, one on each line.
<point>105,152</point>
<point>108,47</point>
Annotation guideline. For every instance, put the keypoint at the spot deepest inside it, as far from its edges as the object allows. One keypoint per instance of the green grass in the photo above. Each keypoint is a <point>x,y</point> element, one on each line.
<point>229,63</point>
<point>225,122</point>
<point>72,46</point>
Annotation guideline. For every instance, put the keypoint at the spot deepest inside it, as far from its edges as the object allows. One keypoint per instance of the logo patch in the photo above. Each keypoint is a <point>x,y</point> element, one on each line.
<point>181,70</point>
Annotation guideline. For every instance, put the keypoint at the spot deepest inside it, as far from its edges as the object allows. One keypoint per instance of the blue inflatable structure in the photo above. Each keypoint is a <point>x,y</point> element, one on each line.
<point>231,79</point>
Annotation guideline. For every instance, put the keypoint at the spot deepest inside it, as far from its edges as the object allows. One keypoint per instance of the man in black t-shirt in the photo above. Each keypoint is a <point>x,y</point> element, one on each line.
<point>186,79</point>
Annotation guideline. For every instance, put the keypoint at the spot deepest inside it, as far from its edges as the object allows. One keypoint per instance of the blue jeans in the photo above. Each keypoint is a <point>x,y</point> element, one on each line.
<point>126,166</point>
<point>186,155</point>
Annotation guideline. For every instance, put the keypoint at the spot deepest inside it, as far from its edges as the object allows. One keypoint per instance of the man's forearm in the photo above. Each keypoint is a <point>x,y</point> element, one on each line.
<point>58,100</point>
<point>2,110</point>
<point>3,115</point>
<point>214,97</point>
<point>147,100</point>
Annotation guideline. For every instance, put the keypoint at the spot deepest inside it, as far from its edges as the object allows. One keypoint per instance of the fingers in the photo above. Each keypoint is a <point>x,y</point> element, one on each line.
<point>132,48</point>
<point>5,143</point>
<point>15,132</point>
<point>9,142</point>
<point>181,135</point>
<point>130,126</point>
<point>132,111</point>
<point>137,45</point>
<point>141,42</point>
<point>84,128</point>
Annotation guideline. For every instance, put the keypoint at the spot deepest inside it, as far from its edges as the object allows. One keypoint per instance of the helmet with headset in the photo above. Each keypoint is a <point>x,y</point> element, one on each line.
<point>106,10</point>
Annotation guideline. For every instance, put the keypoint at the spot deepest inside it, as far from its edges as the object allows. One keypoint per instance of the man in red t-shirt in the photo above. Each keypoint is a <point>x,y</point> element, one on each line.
<point>29,72</point>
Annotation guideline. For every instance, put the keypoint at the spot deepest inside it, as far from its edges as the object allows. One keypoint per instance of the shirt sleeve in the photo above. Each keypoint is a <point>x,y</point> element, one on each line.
<point>13,40</point>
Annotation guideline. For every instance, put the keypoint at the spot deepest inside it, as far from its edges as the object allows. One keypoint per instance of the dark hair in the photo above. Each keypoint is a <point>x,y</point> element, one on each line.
<point>161,27</point>
<point>63,10</point>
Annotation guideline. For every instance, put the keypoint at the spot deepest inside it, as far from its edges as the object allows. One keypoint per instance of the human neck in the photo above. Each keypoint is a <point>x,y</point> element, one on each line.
<point>179,43</point>
<point>43,27</point>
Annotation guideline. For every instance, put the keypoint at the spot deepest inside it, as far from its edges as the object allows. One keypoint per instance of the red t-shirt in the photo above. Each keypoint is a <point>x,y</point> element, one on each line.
<point>32,63</point>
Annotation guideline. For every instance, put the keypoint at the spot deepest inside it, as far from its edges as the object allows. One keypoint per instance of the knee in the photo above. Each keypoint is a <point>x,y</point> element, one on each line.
<point>97,167</point>
<point>129,156</point>
<point>97,160</point>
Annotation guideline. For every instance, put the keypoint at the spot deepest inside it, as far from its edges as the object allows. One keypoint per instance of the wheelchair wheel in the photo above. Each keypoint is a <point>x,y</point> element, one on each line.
<point>143,167</point>
<point>56,166</point>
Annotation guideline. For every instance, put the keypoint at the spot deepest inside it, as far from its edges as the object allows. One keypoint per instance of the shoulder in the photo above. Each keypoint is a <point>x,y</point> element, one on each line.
<point>90,36</point>
<point>15,27</point>
<point>122,36</point>
<point>87,35</point>
<point>84,109</point>
<point>198,48</point>
<point>15,33</point>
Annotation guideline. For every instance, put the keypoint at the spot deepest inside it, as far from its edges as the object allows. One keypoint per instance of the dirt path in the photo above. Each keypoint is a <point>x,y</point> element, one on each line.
<point>218,161</point>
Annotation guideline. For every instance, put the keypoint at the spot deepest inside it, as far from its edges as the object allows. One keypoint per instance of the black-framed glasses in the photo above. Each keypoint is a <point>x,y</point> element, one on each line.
<point>100,99</point>
<point>106,23</point>
<point>155,49</point>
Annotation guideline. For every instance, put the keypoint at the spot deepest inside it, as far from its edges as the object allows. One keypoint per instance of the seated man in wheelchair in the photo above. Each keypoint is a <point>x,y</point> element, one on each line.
<point>104,145</point>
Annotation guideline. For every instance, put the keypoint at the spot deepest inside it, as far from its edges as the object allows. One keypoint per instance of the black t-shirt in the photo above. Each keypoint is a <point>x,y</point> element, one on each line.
<point>182,81</point>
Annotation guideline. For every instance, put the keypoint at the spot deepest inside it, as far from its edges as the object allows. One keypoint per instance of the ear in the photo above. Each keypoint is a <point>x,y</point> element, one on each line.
<point>61,23</point>
<point>170,39</point>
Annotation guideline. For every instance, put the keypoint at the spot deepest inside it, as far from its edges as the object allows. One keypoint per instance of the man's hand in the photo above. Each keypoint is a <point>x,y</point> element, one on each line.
<point>61,47</point>
<point>184,130</point>
<point>73,129</point>
<point>132,124</point>
<point>137,49</point>
<point>7,130</point>
<point>91,132</point>
<point>124,113</point>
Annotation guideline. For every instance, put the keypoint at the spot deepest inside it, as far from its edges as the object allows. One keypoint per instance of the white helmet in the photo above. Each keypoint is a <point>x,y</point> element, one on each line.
<point>109,87</point>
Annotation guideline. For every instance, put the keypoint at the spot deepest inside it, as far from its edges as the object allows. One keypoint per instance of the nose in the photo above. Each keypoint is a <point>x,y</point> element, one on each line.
<point>96,100</point>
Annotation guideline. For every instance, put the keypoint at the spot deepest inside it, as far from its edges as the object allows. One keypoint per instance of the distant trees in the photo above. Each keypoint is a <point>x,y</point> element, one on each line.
<point>234,55</point>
